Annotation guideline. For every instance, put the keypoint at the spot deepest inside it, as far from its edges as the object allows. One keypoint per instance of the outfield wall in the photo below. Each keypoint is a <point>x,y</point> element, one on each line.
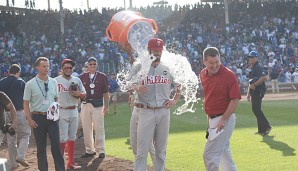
<point>283,87</point>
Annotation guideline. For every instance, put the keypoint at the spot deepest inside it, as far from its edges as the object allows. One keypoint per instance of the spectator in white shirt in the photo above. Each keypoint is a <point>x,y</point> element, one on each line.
<point>295,75</point>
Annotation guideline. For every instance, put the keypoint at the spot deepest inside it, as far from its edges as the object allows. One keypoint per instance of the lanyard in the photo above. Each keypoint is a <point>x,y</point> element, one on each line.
<point>44,95</point>
<point>92,80</point>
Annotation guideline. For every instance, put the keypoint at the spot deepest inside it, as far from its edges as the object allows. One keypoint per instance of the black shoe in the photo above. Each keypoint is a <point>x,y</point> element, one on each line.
<point>101,156</point>
<point>260,133</point>
<point>268,130</point>
<point>88,155</point>
<point>81,135</point>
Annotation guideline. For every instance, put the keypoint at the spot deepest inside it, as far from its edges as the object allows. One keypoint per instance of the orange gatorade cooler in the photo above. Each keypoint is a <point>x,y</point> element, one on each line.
<point>131,28</point>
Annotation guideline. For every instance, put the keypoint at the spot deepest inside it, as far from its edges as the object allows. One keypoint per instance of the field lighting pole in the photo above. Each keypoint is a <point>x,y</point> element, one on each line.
<point>49,5</point>
<point>61,19</point>
<point>226,3</point>
<point>124,5</point>
<point>130,3</point>
<point>88,5</point>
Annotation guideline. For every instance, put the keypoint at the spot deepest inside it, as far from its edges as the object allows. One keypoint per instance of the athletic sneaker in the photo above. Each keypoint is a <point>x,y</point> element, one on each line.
<point>74,166</point>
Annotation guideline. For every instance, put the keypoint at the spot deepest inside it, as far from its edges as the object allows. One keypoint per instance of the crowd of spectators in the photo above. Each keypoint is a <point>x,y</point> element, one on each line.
<point>271,28</point>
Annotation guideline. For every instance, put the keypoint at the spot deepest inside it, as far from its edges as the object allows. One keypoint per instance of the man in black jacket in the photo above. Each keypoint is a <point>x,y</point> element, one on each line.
<point>256,92</point>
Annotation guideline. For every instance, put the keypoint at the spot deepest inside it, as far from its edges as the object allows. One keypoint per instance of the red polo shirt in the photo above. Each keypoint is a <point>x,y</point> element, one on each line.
<point>219,89</point>
<point>101,85</point>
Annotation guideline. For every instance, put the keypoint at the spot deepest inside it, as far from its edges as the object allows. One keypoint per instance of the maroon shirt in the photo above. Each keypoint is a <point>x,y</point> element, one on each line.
<point>219,90</point>
<point>101,85</point>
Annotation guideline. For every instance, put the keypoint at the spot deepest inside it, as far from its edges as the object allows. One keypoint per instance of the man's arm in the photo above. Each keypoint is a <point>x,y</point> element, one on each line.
<point>31,122</point>
<point>258,82</point>
<point>169,103</point>
<point>80,92</point>
<point>106,98</point>
<point>13,114</point>
<point>248,95</point>
<point>230,110</point>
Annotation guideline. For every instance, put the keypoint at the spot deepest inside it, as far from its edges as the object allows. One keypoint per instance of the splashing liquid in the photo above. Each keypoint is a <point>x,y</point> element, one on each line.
<point>138,37</point>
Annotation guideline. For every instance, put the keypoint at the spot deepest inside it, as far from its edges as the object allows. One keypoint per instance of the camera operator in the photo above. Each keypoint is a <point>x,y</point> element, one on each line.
<point>13,86</point>
<point>8,129</point>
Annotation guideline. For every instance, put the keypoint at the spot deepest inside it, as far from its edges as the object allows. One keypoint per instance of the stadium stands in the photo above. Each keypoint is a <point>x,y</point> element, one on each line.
<point>270,27</point>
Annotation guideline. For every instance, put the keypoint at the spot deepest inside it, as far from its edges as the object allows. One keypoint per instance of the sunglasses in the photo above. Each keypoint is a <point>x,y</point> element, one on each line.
<point>67,68</point>
<point>46,87</point>
<point>92,64</point>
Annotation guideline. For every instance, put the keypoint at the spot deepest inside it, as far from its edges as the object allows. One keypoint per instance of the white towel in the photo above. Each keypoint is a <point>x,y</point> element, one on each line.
<point>53,112</point>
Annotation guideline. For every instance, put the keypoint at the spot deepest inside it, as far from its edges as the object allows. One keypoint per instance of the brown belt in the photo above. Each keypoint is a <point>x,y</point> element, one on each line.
<point>139,105</point>
<point>68,107</point>
<point>215,116</point>
<point>39,113</point>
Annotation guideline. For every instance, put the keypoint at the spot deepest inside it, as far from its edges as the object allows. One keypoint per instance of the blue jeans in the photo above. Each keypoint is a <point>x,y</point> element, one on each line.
<point>51,128</point>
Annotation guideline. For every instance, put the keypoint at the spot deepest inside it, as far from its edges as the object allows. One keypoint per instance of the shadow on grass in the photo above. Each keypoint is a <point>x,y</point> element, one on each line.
<point>280,146</point>
<point>91,164</point>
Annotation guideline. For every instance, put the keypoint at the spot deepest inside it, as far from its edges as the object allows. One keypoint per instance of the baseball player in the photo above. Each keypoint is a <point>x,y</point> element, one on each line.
<point>153,104</point>
<point>133,131</point>
<point>135,118</point>
<point>70,90</point>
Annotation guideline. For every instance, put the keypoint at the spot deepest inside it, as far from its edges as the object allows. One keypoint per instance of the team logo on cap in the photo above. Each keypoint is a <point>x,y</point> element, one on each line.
<point>158,43</point>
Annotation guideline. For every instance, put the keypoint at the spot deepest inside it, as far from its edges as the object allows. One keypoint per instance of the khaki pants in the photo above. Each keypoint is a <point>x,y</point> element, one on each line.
<point>23,135</point>
<point>92,117</point>
<point>12,149</point>
<point>274,84</point>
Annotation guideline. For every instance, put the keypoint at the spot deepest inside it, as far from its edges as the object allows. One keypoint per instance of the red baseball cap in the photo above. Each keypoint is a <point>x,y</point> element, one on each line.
<point>68,61</point>
<point>155,44</point>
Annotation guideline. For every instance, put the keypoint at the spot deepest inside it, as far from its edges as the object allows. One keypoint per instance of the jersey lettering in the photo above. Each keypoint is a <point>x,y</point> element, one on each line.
<point>156,79</point>
<point>63,88</point>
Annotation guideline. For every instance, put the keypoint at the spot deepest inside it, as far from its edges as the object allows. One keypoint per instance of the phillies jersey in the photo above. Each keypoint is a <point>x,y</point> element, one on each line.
<point>159,82</point>
<point>65,98</point>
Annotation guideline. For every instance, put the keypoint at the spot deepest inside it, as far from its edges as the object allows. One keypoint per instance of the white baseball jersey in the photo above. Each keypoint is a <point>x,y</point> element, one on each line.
<point>159,81</point>
<point>65,98</point>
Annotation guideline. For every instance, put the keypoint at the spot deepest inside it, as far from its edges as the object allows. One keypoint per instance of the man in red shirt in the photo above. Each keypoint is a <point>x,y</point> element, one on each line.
<point>221,98</point>
<point>96,106</point>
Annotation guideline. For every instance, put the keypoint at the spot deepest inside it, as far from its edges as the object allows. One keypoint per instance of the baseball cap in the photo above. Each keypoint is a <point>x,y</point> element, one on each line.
<point>68,61</point>
<point>92,59</point>
<point>155,44</point>
<point>253,54</point>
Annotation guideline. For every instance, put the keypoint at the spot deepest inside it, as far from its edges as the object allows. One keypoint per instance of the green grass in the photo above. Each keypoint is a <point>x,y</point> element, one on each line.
<point>276,152</point>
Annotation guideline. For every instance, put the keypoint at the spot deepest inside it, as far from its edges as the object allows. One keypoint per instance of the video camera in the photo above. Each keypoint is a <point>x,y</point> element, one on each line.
<point>74,86</point>
<point>6,129</point>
